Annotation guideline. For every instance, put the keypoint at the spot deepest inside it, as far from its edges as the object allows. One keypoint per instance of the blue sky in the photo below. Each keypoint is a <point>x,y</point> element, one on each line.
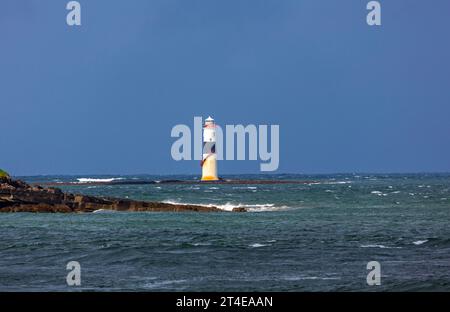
<point>102,98</point>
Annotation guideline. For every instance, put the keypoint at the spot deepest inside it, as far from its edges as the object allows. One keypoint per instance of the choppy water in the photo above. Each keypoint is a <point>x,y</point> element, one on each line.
<point>313,237</point>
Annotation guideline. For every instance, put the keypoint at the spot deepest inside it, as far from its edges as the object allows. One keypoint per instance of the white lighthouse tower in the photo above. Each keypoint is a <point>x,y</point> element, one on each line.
<point>209,159</point>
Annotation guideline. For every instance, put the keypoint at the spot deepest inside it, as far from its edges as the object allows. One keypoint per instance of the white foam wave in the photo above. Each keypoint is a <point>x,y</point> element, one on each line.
<point>252,207</point>
<point>378,246</point>
<point>231,206</point>
<point>378,193</point>
<point>96,180</point>
<point>298,278</point>
<point>256,245</point>
<point>420,242</point>
<point>103,211</point>
<point>200,244</point>
<point>330,182</point>
<point>163,284</point>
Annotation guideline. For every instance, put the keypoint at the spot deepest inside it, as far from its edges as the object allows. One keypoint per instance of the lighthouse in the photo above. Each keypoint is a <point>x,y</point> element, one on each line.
<point>209,159</point>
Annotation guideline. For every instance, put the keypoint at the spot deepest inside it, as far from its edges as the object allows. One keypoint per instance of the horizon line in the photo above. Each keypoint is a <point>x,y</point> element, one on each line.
<point>227,174</point>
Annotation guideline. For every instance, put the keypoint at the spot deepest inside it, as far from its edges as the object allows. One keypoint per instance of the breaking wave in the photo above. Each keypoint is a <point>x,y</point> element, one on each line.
<point>104,211</point>
<point>95,180</point>
<point>420,242</point>
<point>377,246</point>
<point>256,245</point>
<point>231,206</point>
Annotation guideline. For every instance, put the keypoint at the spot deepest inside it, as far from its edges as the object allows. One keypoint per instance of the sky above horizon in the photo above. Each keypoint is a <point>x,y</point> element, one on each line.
<point>102,98</point>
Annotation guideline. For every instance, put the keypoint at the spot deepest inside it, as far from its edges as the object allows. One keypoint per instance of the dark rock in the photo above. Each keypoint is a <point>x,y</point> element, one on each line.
<point>18,196</point>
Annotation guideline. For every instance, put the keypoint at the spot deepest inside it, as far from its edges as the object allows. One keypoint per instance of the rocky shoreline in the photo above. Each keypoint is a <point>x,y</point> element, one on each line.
<point>18,196</point>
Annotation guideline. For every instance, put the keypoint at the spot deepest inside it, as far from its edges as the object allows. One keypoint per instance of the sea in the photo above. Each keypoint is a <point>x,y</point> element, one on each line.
<point>319,236</point>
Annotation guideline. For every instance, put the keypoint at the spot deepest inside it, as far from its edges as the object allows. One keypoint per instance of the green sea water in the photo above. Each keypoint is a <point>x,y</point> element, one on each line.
<point>317,236</point>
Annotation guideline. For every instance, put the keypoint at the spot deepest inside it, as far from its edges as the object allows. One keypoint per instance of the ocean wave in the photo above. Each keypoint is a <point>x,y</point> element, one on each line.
<point>420,242</point>
<point>104,211</point>
<point>97,180</point>
<point>200,244</point>
<point>252,207</point>
<point>163,284</point>
<point>231,206</point>
<point>299,278</point>
<point>257,245</point>
<point>378,193</point>
<point>378,246</point>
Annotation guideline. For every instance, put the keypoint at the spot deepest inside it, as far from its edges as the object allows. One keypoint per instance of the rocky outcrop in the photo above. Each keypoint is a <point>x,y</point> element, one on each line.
<point>18,196</point>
